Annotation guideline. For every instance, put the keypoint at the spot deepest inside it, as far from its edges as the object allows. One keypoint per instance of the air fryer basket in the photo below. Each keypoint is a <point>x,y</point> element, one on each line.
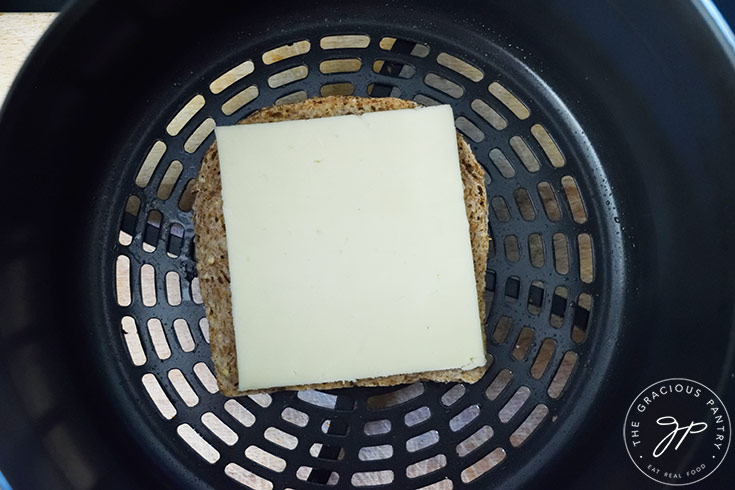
<point>607,135</point>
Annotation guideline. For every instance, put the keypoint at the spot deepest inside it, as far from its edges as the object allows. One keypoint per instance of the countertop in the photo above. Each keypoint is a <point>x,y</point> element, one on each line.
<point>19,32</point>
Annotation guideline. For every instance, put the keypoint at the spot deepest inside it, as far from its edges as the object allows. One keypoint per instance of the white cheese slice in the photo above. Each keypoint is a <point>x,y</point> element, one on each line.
<point>349,248</point>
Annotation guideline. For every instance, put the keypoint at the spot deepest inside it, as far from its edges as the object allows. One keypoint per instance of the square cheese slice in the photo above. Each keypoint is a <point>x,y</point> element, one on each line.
<point>349,248</point>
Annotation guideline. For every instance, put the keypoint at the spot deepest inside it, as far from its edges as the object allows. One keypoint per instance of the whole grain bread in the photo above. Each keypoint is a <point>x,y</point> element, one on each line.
<point>211,245</point>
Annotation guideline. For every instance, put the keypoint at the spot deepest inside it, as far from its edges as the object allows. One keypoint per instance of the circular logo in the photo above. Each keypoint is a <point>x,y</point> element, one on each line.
<point>677,431</point>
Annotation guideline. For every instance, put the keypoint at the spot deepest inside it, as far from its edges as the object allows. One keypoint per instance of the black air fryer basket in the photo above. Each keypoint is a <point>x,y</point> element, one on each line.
<point>607,132</point>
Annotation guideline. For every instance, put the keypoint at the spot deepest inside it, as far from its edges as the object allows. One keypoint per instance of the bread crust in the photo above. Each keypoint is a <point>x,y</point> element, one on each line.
<point>211,244</point>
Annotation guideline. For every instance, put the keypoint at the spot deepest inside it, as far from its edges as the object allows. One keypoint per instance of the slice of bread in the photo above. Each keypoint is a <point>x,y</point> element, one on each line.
<point>211,245</point>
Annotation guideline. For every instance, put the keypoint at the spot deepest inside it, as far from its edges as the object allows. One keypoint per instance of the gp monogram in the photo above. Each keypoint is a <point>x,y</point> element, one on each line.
<point>677,431</point>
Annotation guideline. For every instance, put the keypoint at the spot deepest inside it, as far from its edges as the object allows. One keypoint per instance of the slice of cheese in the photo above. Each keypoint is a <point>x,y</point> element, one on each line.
<point>349,248</point>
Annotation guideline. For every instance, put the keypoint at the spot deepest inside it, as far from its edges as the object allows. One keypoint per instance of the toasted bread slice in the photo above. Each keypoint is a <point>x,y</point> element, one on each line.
<point>211,244</point>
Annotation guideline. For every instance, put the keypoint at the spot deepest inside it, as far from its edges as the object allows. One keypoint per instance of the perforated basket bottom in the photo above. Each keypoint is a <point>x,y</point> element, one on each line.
<point>546,276</point>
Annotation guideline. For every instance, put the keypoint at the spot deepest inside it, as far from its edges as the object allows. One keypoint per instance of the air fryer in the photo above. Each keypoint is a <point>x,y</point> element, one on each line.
<point>607,133</point>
